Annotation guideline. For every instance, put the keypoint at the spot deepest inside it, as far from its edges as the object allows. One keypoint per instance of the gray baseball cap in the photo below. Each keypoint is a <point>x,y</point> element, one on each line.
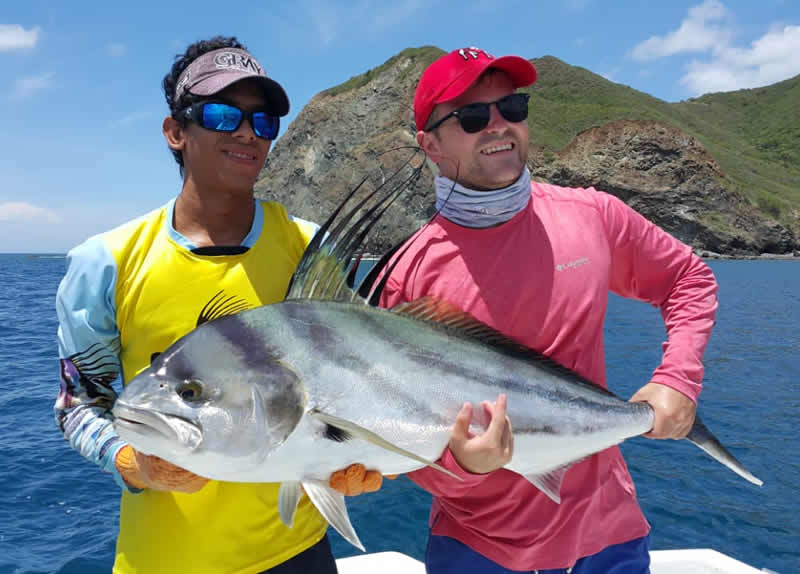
<point>216,70</point>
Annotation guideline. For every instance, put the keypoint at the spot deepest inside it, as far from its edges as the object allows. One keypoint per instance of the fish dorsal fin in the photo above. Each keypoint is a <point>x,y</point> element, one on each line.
<point>431,309</point>
<point>324,277</point>
<point>328,267</point>
<point>454,321</point>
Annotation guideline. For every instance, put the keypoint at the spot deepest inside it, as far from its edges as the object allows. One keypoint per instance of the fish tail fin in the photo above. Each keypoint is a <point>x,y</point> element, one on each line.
<point>701,436</point>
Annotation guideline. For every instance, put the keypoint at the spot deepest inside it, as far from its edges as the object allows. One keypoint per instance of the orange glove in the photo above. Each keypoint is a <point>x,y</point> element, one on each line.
<point>145,471</point>
<point>356,479</point>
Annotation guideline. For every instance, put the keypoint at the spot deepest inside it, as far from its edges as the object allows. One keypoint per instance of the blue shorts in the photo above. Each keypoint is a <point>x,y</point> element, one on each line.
<point>317,559</point>
<point>446,555</point>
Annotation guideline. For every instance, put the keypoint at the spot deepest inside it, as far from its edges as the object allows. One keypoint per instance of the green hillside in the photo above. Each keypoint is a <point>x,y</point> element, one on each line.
<point>421,57</point>
<point>753,134</point>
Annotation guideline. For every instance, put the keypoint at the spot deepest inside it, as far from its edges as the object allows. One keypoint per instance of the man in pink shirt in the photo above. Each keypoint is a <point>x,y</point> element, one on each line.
<point>536,262</point>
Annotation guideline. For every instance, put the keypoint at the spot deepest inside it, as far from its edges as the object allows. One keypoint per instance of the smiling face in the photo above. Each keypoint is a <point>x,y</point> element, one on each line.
<point>492,158</point>
<point>227,162</point>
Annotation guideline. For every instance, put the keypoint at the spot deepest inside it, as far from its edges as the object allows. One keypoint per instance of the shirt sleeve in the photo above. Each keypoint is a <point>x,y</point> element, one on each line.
<point>308,229</point>
<point>651,265</point>
<point>88,348</point>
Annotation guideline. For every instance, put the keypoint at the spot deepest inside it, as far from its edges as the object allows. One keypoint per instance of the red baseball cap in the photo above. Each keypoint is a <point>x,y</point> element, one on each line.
<point>452,74</point>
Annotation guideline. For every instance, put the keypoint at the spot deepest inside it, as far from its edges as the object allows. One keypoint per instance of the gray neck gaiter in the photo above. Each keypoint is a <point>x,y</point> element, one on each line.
<point>470,208</point>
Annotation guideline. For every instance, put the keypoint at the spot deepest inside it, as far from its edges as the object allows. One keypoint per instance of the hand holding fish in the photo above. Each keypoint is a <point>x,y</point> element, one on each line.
<point>145,471</point>
<point>674,411</point>
<point>487,452</point>
<point>355,479</point>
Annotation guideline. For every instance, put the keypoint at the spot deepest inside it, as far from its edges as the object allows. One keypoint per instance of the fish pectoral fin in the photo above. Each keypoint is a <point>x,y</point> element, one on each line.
<point>332,506</point>
<point>341,428</point>
<point>288,498</point>
<point>550,482</point>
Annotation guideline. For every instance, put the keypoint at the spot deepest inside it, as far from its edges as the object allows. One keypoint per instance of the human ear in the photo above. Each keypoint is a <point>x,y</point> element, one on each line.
<point>174,133</point>
<point>430,145</point>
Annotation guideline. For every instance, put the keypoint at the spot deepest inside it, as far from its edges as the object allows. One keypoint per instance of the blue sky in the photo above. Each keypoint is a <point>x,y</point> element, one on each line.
<point>81,148</point>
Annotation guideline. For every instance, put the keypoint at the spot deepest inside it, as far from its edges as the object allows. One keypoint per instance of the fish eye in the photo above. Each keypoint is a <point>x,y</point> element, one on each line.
<point>191,390</point>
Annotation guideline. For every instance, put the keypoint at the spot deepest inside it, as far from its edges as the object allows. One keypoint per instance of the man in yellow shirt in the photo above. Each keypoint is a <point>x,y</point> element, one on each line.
<point>132,291</point>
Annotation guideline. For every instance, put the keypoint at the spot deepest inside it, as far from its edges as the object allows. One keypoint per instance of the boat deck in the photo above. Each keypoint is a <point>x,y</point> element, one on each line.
<point>693,561</point>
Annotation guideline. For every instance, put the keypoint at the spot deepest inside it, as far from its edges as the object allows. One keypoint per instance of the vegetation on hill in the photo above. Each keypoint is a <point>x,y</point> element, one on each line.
<point>425,55</point>
<point>753,134</point>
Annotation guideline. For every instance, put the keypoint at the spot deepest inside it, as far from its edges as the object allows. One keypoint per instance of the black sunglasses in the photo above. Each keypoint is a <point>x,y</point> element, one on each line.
<point>475,117</point>
<point>222,117</point>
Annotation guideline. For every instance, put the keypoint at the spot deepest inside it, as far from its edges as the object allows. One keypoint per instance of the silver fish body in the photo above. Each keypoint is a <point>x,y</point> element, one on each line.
<point>402,379</point>
<point>405,380</point>
<point>294,391</point>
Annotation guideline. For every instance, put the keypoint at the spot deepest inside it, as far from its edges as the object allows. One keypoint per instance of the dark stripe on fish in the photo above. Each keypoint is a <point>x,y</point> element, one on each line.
<point>251,342</point>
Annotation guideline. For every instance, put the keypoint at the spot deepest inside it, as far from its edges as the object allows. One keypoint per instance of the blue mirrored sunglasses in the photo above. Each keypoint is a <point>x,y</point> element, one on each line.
<point>222,117</point>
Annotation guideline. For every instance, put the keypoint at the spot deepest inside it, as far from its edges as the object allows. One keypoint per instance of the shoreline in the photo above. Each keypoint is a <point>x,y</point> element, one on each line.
<point>710,255</point>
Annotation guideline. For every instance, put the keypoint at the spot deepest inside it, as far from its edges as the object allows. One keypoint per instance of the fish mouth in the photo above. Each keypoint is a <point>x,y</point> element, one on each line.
<point>174,428</point>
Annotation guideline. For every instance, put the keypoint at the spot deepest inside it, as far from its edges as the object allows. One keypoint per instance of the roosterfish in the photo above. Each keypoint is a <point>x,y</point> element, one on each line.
<point>290,392</point>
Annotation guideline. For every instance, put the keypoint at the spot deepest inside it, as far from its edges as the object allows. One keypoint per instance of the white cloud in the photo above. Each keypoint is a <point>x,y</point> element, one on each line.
<point>575,5</point>
<point>388,14</point>
<point>697,33</point>
<point>21,211</point>
<point>27,85</point>
<point>770,59</point>
<point>117,50</point>
<point>612,75</point>
<point>15,37</point>
<point>325,19</point>
<point>707,29</point>
<point>127,120</point>
<point>332,20</point>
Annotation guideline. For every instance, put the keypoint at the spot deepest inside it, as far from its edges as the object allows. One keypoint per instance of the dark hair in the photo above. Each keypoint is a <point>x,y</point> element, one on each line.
<point>182,62</point>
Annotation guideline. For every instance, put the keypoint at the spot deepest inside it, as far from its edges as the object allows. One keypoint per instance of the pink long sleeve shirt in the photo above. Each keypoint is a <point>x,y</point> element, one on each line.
<point>543,278</point>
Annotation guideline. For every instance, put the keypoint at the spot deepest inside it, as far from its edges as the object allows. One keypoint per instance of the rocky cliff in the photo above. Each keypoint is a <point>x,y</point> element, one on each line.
<point>364,128</point>
<point>667,176</point>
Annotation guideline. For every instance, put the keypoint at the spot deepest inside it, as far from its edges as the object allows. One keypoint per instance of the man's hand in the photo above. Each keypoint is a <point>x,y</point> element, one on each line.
<point>356,479</point>
<point>674,411</point>
<point>145,471</point>
<point>487,452</point>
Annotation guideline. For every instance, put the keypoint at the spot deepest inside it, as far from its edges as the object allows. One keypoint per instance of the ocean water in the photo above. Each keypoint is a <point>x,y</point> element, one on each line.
<point>58,513</point>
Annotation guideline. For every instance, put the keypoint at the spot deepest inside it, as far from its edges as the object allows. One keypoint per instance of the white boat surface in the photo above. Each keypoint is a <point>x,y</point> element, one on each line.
<point>689,561</point>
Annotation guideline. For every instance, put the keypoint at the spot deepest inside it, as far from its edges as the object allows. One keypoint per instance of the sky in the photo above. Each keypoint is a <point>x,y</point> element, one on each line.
<point>81,148</point>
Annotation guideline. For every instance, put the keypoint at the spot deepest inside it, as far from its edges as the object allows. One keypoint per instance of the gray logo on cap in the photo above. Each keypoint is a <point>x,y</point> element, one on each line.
<point>228,60</point>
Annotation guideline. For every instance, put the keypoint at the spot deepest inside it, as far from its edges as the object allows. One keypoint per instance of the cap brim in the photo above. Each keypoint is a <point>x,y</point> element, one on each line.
<point>274,93</point>
<point>520,70</point>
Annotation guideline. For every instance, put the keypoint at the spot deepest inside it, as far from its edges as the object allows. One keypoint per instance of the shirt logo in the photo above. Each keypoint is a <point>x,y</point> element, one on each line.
<point>572,264</point>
